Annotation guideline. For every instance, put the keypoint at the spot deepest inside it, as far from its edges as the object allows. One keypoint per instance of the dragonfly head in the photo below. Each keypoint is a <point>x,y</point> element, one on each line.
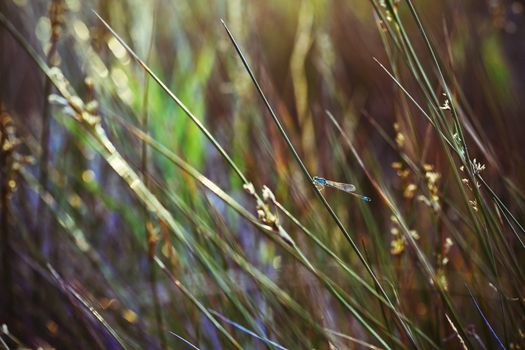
<point>319,180</point>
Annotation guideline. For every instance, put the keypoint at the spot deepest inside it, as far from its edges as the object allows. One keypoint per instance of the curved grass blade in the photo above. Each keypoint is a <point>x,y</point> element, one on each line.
<point>89,308</point>
<point>309,179</point>
<point>177,101</point>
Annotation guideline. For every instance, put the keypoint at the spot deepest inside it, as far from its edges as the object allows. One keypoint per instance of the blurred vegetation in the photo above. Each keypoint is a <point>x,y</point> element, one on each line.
<point>153,197</point>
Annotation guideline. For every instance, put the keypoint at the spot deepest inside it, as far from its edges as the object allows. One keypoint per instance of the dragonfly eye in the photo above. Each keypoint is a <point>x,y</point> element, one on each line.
<point>319,180</point>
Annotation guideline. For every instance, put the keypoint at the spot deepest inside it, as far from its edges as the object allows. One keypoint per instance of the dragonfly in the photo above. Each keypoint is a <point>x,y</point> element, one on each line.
<point>321,182</point>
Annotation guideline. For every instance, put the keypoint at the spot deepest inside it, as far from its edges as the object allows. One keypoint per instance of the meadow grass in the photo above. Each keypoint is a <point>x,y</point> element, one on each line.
<point>159,193</point>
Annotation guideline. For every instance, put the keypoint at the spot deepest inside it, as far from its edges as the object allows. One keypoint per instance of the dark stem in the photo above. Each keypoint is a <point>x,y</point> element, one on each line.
<point>150,239</point>
<point>4,223</point>
<point>41,217</point>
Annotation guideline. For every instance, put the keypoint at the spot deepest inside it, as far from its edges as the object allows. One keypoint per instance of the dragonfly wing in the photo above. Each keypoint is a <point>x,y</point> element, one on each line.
<point>341,186</point>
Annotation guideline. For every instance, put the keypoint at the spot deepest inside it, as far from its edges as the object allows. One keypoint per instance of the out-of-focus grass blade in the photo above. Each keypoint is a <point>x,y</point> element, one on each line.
<point>500,343</point>
<point>197,303</point>
<point>246,330</point>
<point>177,101</point>
<point>88,307</point>
<point>187,342</point>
